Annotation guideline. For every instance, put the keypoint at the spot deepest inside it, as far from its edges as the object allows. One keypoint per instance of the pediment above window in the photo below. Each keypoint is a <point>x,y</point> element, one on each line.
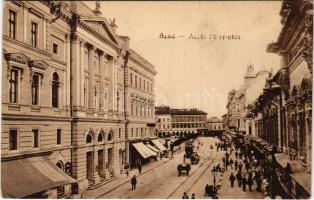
<point>16,57</point>
<point>38,64</point>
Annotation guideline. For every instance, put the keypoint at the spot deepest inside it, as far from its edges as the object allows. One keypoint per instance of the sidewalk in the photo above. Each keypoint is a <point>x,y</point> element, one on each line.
<point>122,179</point>
<point>227,192</point>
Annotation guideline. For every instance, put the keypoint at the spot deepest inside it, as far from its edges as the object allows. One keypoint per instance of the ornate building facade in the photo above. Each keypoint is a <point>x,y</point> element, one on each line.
<point>294,45</point>
<point>36,118</point>
<point>68,97</point>
<point>283,112</point>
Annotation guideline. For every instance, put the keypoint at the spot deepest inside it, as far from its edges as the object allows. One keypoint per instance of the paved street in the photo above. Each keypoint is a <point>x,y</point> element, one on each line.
<point>162,181</point>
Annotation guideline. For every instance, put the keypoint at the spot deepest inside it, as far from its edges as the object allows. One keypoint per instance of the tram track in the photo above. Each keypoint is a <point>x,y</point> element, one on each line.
<point>191,176</point>
<point>194,177</point>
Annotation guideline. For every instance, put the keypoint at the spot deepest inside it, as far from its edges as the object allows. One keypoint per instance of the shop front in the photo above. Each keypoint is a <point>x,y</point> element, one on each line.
<point>34,177</point>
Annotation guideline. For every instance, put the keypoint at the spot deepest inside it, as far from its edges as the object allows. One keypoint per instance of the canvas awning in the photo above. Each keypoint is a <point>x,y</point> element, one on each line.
<point>143,150</point>
<point>159,145</point>
<point>304,180</point>
<point>152,148</point>
<point>23,177</point>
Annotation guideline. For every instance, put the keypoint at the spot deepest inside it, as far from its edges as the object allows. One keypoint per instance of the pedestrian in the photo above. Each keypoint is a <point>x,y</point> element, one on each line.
<point>236,164</point>
<point>185,196</point>
<point>231,163</point>
<point>244,182</point>
<point>231,179</point>
<point>240,155</point>
<point>247,166</point>
<point>240,166</point>
<point>133,182</point>
<point>250,182</point>
<point>193,196</point>
<point>223,159</point>
<point>140,168</point>
<point>236,154</point>
<point>239,178</point>
<point>258,180</point>
<point>206,190</point>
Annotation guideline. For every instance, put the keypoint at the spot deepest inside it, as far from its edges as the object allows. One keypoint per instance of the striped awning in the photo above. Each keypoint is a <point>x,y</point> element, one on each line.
<point>23,177</point>
<point>159,145</point>
<point>152,148</point>
<point>143,150</point>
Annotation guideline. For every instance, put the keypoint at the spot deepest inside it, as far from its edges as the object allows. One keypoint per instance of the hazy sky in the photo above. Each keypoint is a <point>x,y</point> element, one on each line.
<point>199,73</point>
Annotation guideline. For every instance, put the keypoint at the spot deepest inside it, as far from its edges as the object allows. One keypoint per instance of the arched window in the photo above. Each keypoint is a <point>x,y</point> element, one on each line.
<point>109,136</point>
<point>89,138</point>
<point>55,90</point>
<point>100,137</point>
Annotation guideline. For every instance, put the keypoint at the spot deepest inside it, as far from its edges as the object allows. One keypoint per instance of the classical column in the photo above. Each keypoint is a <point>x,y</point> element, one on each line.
<point>102,80</point>
<point>91,69</point>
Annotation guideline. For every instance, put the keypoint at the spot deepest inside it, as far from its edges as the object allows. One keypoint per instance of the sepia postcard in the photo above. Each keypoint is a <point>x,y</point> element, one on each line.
<point>156,99</point>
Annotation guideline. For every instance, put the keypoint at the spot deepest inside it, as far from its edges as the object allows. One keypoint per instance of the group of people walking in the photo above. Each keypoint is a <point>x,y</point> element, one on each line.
<point>248,169</point>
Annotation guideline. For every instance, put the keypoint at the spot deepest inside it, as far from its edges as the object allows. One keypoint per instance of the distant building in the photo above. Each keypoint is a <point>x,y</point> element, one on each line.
<point>182,121</point>
<point>188,121</point>
<point>163,121</point>
<point>214,124</point>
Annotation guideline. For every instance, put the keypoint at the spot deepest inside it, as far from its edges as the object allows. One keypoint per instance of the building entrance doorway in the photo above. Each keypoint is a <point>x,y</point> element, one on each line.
<point>110,160</point>
<point>100,161</point>
<point>89,165</point>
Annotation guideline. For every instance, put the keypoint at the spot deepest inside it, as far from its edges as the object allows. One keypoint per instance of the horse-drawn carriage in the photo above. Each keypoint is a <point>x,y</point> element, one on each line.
<point>189,149</point>
<point>195,158</point>
<point>184,167</point>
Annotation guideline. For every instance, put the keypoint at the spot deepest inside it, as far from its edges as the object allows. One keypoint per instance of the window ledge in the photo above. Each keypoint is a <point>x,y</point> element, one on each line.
<point>35,108</point>
<point>14,106</point>
<point>13,151</point>
<point>56,110</point>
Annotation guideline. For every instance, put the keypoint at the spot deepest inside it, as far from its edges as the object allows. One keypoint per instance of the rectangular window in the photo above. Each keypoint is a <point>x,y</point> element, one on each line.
<point>55,48</point>
<point>135,81</point>
<point>34,33</point>
<point>59,136</point>
<point>35,138</point>
<point>131,79</point>
<point>35,89</point>
<point>140,83</point>
<point>13,85</point>
<point>119,132</point>
<point>132,135</point>
<point>12,140</point>
<point>12,24</point>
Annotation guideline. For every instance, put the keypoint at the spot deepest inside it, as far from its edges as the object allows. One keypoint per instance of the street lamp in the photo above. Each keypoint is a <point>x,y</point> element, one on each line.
<point>214,173</point>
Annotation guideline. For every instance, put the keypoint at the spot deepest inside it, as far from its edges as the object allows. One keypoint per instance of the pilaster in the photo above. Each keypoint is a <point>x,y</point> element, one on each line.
<point>75,66</point>
<point>102,80</point>
<point>91,69</point>
<point>82,78</point>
